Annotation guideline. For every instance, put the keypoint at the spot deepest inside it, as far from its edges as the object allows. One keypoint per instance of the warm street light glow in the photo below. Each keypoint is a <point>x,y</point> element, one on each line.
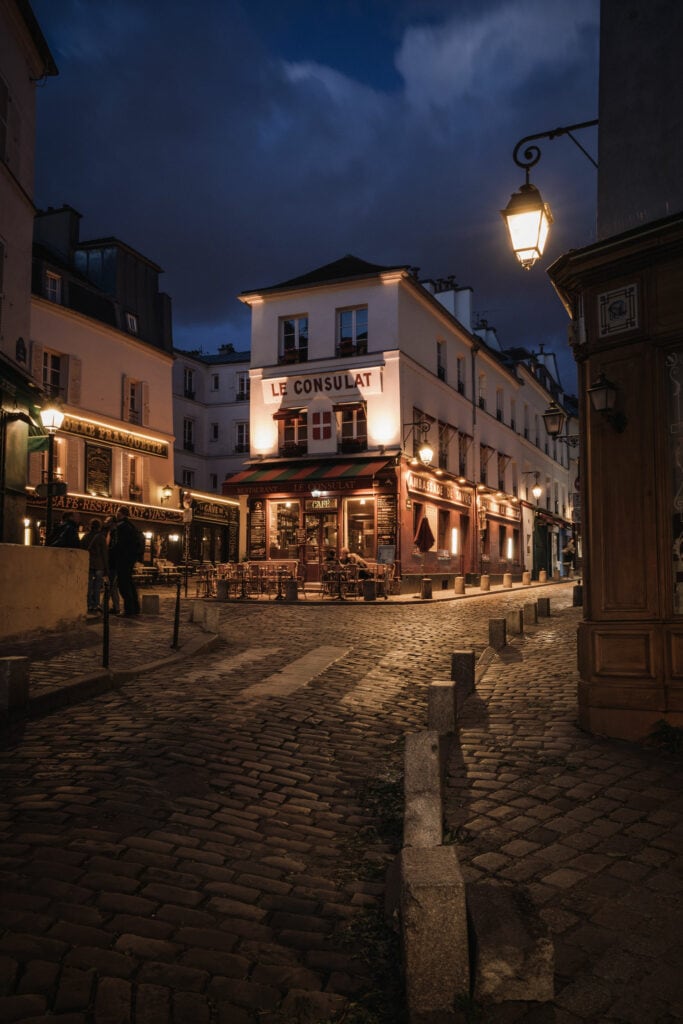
<point>554,418</point>
<point>528,221</point>
<point>425,452</point>
<point>52,418</point>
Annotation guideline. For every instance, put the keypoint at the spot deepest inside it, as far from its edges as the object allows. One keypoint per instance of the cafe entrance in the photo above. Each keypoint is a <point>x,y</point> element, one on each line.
<point>322,536</point>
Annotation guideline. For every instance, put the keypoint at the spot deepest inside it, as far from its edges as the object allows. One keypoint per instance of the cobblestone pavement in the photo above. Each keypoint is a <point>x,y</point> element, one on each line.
<point>208,843</point>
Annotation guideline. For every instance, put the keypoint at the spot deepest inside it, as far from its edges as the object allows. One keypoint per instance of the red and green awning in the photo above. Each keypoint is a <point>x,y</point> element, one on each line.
<point>284,472</point>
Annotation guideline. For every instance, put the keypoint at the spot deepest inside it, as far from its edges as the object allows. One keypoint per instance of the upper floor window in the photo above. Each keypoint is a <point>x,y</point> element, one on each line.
<point>213,432</point>
<point>132,323</point>
<point>53,287</point>
<point>499,404</point>
<point>352,331</point>
<point>513,414</point>
<point>461,375</point>
<point>215,382</point>
<point>188,435</point>
<point>188,382</point>
<point>241,438</point>
<point>294,434</point>
<point>293,339</point>
<point>482,391</point>
<point>441,360</point>
<point>135,401</point>
<point>188,477</point>
<point>54,373</point>
<point>213,481</point>
<point>242,385</point>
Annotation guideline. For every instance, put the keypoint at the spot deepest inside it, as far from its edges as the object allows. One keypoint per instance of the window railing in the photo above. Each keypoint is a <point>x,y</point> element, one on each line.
<point>189,394</point>
<point>349,348</point>
<point>241,448</point>
<point>188,446</point>
<point>353,444</point>
<point>242,396</point>
<point>294,355</point>
<point>441,372</point>
<point>292,448</point>
<point>461,387</point>
<point>499,415</point>
<point>482,402</point>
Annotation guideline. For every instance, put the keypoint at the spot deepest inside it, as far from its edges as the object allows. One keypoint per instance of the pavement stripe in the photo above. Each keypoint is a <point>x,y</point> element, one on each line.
<point>232,661</point>
<point>295,675</point>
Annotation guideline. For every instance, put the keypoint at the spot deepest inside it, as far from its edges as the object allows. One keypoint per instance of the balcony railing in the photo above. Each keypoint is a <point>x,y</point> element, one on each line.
<point>241,449</point>
<point>188,446</point>
<point>353,444</point>
<point>293,449</point>
<point>189,394</point>
<point>294,355</point>
<point>349,348</point>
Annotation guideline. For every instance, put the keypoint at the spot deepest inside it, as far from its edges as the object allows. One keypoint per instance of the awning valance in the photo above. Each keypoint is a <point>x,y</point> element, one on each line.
<point>284,472</point>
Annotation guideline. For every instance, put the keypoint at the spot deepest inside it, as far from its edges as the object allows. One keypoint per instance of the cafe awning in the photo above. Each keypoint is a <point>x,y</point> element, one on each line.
<point>283,472</point>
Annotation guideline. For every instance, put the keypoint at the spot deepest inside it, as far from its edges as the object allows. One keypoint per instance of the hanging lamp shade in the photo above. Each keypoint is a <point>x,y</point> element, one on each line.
<point>52,418</point>
<point>528,221</point>
<point>554,418</point>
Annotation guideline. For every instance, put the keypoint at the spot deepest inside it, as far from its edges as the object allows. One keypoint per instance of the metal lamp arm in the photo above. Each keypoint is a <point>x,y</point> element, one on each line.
<point>532,154</point>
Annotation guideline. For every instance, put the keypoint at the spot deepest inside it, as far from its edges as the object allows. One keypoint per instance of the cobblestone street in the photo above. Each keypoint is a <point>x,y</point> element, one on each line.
<point>208,843</point>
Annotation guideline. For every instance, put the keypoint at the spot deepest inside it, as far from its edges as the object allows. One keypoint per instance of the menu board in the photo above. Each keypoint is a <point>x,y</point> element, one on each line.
<point>386,518</point>
<point>257,530</point>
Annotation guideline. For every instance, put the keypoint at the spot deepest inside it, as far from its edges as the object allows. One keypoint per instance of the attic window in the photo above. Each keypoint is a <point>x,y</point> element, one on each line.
<point>131,323</point>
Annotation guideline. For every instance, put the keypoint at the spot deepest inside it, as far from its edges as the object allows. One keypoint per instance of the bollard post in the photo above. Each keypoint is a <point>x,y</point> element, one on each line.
<point>515,621</point>
<point>542,576</point>
<point>176,617</point>
<point>530,613</point>
<point>14,682</point>
<point>426,588</point>
<point>291,591</point>
<point>526,578</point>
<point>507,581</point>
<point>150,604</point>
<point>105,625</point>
<point>577,596</point>
<point>459,585</point>
<point>221,590</point>
<point>212,618</point>
<point>441,709</point>
<point>485,583</point>
<point>497,635</point>
<point>462,674</point>
<point>543,606</point>
<point>370,590</point>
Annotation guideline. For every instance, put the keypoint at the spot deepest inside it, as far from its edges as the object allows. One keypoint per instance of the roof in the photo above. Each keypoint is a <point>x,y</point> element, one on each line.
<point>214,358</point>
<point>348,268</point>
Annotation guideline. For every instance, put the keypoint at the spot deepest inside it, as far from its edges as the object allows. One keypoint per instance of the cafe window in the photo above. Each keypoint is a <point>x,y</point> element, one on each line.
<point>284,528</point>
<point>352,426</point>
<point>444,529</point>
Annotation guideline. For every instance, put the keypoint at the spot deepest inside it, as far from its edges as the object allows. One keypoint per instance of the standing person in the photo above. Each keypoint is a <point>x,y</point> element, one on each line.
<point>65,535</point>
<point>95,544</point>
<point>127,548</point>
<point>568,555</point>
<point>108,530</point>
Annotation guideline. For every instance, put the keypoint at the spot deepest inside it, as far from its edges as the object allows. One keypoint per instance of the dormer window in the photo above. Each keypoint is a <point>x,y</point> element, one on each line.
<point>132,323</point>
<point>53,287</point>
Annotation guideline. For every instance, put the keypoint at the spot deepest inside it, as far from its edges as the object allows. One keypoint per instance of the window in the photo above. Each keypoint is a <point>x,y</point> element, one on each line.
<point>513,414</point>
<point>537,432</point>
<point>53,287</point>
<point>321,426</point>
<point>526,422</point>
<point>464,441</point>
<point>503,461</point>
<point>213,432</point>
<point>188,435</point>
<point>294,434</point>
<point>352,331</point>
<point>446,433</point>
<point>134,478</point>
<point>188,477</point>
<point>441,360</point>
<point>499,404</point>
<point>134,402</point>
<point>482,390</point>
<point>294,339</point>
<point>215,382</point>
<point>284,526</point>
<point>213,481</point>
<point>54,373</point>
<point>242,386</point>
<point>444,529</point>
<point>352,427</point>
<point>132,323</point>
<point>241,438</point>
<point>461,375</point>
<point>188,382</point>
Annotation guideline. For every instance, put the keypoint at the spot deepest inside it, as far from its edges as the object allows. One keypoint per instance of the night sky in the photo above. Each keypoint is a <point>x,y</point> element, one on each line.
<point>241,144</point>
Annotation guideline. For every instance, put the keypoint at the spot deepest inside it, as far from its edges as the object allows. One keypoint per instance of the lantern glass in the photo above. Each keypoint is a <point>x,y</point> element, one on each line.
<point>554,418</point>
<point>51,418</point>
<point>425,454</point>
<point>603,394</point>
<point>528,221</point>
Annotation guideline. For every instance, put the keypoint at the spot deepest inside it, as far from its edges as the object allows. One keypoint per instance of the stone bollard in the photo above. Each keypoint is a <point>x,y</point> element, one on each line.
<point>150,604</point>
<point>198,611</point>
<point>459,585</point>
<point>542,576</point>
<point>434,945</point>
<point>221,590</point>
<point>577,596</point>
<point>14,680</point>
<point>423,816</point>
<point>426,588</point>
<point>526,578</point>
<point>370,590</point>
<point>530,613</point>
<point>291,591</point>
<point>441,709</point>
<point>211,617</point>
<point>543,604</point>
<point>497,636</point>
<point>463,675</point>
<point>485,583</point>
<point>507,581</point>
<point>515,621</point>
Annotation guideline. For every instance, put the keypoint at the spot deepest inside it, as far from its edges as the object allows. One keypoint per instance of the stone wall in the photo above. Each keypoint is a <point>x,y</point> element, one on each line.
<point>41,589</point>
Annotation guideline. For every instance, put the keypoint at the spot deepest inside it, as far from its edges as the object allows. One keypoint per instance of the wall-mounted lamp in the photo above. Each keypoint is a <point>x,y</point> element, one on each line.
<point>554,418</point>
<point>603,396</point>
<point>536,490</point>
<point>425,452</point>
<point>527,216</point>
<point>166,492</point>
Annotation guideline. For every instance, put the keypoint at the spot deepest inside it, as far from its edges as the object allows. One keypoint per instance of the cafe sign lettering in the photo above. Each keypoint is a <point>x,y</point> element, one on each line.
<point>353,383</point>
<point>112,435</point>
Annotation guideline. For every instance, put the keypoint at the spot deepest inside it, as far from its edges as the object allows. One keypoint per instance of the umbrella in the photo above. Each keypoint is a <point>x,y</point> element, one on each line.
<point>424,538</point>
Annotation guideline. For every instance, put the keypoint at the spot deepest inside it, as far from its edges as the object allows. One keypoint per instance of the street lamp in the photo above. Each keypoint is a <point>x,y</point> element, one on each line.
<point>536,490</point>
<point>425,452</point>
<point>603,396</point>
<point>527,216</point>
<point>51,418</point>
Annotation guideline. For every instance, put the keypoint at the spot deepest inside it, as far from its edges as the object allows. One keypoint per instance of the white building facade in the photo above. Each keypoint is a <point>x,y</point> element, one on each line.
<point>353,365</point>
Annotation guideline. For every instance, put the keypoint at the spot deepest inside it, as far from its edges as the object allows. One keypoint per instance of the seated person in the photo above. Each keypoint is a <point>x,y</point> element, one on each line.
<point>351,558</point>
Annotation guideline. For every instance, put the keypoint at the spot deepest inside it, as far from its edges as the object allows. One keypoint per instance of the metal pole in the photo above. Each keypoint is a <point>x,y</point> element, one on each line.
<point>176,620</point>
<point>50,474</point>
<point>105,625</point>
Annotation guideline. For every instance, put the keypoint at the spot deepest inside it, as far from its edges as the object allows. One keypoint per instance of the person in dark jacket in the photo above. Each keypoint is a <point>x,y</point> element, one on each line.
<point>66,534</point>
<point>127,547</point>
<point>109,530</point>
<point>95,544</point>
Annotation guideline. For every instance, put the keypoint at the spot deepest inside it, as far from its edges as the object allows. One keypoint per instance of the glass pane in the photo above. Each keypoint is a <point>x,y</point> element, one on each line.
<point>360,526</point>
<point>284,524</point>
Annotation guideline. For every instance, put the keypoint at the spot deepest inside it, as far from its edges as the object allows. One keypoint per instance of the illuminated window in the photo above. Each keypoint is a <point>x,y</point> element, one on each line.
<point>294,339</point>
<point>352,331</point>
